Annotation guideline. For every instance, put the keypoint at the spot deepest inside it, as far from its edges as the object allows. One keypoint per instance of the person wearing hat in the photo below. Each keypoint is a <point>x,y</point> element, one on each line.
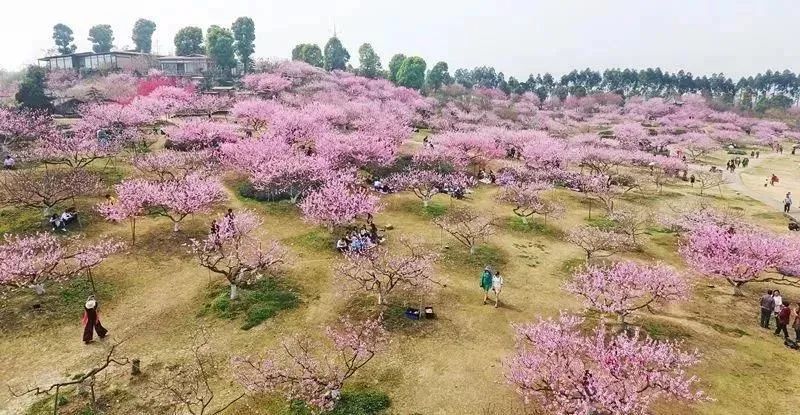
<point>91,321</point>
<point>486,283</point>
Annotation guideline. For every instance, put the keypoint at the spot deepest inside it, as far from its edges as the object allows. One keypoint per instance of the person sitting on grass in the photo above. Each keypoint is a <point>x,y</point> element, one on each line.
<point>68,216</point>
<point>9,162</point>
<point>341,245</point>
<point>356,245</point>
<point>56,223</point>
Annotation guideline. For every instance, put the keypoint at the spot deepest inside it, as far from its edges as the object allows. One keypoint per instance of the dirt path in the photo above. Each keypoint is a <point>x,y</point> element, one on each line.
<point>750,181</point>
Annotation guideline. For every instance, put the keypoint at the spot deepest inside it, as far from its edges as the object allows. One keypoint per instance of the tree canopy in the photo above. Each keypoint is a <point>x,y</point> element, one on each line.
<point>369,60</point>
<point>244,33</point>
<point>102,38</point>
<point>143,35</point>
<point>336,56</point>
<point>394,66</point>
<point>189,41</point>
<point>31,90</point>
<point>62,36</point>
<point>412,72</point>
<point>438,76</point>
<point>219,46</point>
<point>309,53</point>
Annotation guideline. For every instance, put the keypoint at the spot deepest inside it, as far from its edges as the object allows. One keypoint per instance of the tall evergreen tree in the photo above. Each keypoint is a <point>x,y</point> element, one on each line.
<point>143,35</point>
<point>336,56</point>
<point>189,41</point>
<point>62,35</point>
<point>244,32</point>
<point>369,60</point>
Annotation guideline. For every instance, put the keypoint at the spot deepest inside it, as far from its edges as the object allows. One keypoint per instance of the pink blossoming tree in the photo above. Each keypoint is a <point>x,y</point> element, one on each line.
<point>625,287</point>
<point>338,203</point>
<point>233,251</point>
<point>302,374</point>
<point>468,227</point>
<point>569,373</point>
<point>382,270</point>
<point>425,184</point>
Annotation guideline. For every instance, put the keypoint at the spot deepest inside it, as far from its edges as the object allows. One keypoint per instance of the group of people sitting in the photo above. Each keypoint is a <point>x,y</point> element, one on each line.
<point>772,304</point>
<point>359,240</point>
<point>486,177</point>
<point>381,187</point>
<point>60,222</point>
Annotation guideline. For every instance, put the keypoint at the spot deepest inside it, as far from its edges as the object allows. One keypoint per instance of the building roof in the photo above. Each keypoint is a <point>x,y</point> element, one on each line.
<point>183,58</point>
<point>113,52</point>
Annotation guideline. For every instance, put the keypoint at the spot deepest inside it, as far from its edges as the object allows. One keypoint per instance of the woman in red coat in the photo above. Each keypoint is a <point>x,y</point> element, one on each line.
<point>91,321</point>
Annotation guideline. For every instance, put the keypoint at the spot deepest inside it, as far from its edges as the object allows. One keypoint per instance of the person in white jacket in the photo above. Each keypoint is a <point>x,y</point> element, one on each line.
<point>497,286</point>
<point>776,295</point>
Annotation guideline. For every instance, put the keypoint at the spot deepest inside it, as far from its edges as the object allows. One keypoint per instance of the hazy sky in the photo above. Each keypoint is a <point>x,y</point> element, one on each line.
<point>736,37</point>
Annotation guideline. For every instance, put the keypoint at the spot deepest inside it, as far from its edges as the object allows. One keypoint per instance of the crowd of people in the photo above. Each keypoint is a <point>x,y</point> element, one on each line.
<point>359,240</point>
<point>773,304</point>
<point>737,162</point>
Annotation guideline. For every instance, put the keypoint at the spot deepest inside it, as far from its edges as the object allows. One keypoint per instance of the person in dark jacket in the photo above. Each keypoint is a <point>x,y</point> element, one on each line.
<point>767,305</point>
<point>486,283</point>
<point>783,320</point>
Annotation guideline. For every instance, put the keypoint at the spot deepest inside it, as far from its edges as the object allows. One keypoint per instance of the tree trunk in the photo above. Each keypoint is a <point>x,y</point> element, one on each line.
<point>176,226</point>
<point>425,202</point>
<point>524,220</point>
<point>472,249</point>
<point>737,289</point>
<point>133,231</point>
<point>381,300</point>
<point>234,291</point>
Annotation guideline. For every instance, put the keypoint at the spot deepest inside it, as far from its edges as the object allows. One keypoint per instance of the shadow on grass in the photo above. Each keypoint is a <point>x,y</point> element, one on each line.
<point>661,330</point>
<point>257,302</point>
<point>487,254</point>
<point>533,226</point>
<point>363,307</point>
<point>23,310</point>
<point>415,207</point>
<point>354,401</point>
<point>315,240</point>
<point>719,328</point>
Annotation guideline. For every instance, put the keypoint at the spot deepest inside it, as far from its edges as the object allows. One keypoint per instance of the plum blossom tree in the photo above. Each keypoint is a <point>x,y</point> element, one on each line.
<point>469,228</point>
<point>233,251</point>
<point>709,180</point>
<point>169,165</point>
<point>266,84</point>
<point>73,149</point>
<point>625,287</point>
<point>22,125</point>
<point>201,134</point>
<point>425,184</point>
<point>698,145</point>
<point>254,114</point>
<point>45,189</point>
<point>381,270</point>
<point>739,255</point>
<point>546,153</point>
<point>177,199</point>
<point>302,375</point>
<point>274,167</point>
<point>32,260</point>
<point>357,150</point>
<point>469,148</point>
<point>632,222</point>
<point>597,242</point>
<point>665,170</point>
<point>112,121</point>
<point>568,373</point>
<point>208,105</point>
<point>133,198</point>
<point>527,200</point>
<point>338,203</point>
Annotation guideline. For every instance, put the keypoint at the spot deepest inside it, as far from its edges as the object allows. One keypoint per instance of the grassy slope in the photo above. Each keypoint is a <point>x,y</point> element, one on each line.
<point>453,365</point>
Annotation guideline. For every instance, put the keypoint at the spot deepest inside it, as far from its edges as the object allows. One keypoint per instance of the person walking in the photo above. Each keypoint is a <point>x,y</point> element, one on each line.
<point>497,286</point>
<point>91,321</point>
<point>745,162</point>
<point>486,283</point>
<point>787,202</point>
<point>778,301</point>
<point>692,179</point>
<point>767,307</point>
<point>758,154</point>
<point>796,324</point>
<point>783,320</point>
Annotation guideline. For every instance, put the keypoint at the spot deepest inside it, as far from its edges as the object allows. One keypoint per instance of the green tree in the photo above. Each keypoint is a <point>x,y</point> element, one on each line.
<point>189,41</point>
<point>394,66</point>
<point>412,73</point>
<point>219,47</point>
<point>438,75</point>
<point>143,35</point>
<point>308,53</point>
<point>369,60</point>
<point>463,77</point>
<point>31,90</point>
<point>62,35</point>
<point>102,38</point>
<point>244,32</point>
<point>336,56</point>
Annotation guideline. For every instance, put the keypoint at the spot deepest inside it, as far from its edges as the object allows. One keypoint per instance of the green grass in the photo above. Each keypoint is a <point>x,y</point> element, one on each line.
<point>20,220</point>
<point>459,256</point>
<point>317,240</point>
<point>352,402</point>
<point>415,207</point>
<point>256,303</point>
<point>660,330</point>
<point>534,226</point>
<point>601,222</point>
<point>60,303</point>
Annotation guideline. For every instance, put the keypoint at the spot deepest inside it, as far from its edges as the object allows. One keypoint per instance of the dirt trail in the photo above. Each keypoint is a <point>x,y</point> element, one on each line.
<point>750,181</point>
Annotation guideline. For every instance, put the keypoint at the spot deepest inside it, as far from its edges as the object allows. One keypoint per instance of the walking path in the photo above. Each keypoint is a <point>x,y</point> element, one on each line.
<point>750,180</point>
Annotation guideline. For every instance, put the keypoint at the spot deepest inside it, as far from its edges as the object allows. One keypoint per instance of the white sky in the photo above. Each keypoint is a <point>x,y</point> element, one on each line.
<point>518,37</point>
